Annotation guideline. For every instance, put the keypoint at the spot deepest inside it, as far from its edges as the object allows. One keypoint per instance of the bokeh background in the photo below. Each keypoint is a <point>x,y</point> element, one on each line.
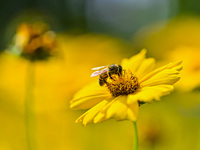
<point>92,33</point>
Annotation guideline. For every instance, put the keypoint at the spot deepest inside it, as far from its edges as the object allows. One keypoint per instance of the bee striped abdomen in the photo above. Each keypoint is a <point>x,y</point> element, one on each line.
<point>103,79</point>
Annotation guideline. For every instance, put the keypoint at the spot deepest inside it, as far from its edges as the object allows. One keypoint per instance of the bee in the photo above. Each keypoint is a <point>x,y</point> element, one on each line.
<point>106,71</point>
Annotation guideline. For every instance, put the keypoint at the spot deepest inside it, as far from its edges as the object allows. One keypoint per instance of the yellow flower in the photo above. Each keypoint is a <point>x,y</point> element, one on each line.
<point>163,38</point>
<point>122,94</point>
<point>34,41</point>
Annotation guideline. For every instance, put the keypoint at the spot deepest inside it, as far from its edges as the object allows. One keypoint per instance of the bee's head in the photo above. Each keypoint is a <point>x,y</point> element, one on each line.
<point>113,67</point>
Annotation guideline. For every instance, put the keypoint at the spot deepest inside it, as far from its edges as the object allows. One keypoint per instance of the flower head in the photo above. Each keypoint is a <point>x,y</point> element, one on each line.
<point>123,91</point>
<point>34,41</point>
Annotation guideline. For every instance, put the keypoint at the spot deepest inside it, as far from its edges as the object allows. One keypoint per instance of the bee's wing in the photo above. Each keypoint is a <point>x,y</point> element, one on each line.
<point>96,73</point>
<point>98,68</point>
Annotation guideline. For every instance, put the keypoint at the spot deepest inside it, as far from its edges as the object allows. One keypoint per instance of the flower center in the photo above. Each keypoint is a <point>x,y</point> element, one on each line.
<point>125,84</point>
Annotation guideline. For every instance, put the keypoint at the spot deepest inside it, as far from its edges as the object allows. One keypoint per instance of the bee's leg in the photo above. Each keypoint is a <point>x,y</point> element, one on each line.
<point>109,74</point>
<point>120,70</point>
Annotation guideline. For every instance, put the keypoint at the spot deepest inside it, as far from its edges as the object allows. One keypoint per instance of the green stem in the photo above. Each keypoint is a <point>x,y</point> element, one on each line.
<point>29,112</point>
<point>136,136</point>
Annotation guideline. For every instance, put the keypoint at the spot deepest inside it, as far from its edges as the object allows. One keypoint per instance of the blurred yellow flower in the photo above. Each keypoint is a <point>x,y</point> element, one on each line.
<point>34,41</point>
<point>160,38</point>
<point>122,94</point>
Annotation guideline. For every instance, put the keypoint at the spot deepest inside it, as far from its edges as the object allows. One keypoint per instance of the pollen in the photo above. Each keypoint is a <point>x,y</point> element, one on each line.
<point>125,84</point>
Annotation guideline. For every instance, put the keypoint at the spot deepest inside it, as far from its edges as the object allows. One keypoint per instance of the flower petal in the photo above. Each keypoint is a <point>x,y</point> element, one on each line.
<point>118,109</point>
<point>167,76</point>
<point>89,115</point>
<point>132,111</point>
<point>101,115</point>
<point>146,67</point>
<point>147,94</point>
<point>87,102</point>
<point>89,96</point>
<point>176,66</point>
<point>134,62</point>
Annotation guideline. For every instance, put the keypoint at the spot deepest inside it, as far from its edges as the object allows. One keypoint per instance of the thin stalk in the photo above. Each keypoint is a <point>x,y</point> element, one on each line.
<point>29,103</point>
<point>136,136</point>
